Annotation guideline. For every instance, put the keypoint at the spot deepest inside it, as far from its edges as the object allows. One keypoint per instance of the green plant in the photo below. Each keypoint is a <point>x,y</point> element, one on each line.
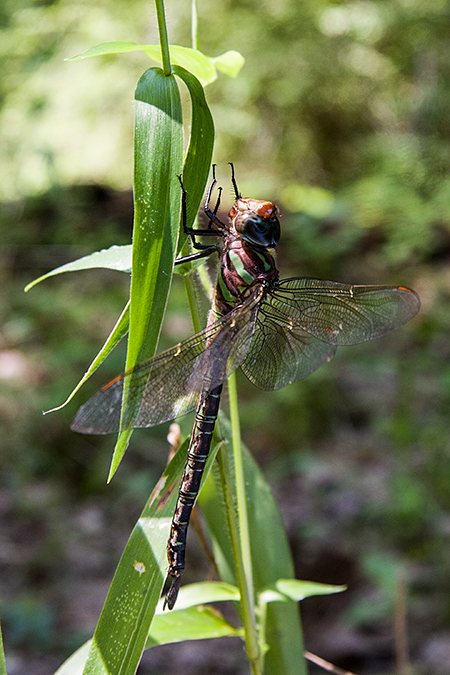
<point>257,573</point>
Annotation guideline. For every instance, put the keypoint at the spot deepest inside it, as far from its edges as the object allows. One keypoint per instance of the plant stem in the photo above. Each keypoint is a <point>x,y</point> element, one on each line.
<point>191,300</point>
<point>163,37</point>
<point>236,505</point>
<point>241,547</point>
<point>194,25</point>
<point>244,534</point>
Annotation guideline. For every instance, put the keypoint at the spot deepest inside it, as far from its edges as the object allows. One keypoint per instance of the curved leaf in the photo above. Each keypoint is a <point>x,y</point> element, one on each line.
<point>196,623</point>
<point>202,66</point>
<point>117,333</point>
<point>113,258</point>
<point>287,590</point>
<point>128,611</point>
<point>158,148</point>
<point>230,63</point>
<point>198,157</point>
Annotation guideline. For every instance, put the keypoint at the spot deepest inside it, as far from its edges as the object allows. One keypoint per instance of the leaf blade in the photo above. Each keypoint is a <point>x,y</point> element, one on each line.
<point>203,67</point>
<point>130,605</point>
<point>271,561</point>
<point>230,63</point>
<point>118,332</point>
<point>201,143</point>
<point>158,158</point>
<point>194,623</point>
<point>112,258</point>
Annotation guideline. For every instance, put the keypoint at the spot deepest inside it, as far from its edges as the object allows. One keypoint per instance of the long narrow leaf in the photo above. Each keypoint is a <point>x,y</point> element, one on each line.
<point>118,332</point>
<point>125,620</point>
<point>113,258</point>
<point>286,590</point>
<point>198,158</point>
<point>158,158</point>
<point>195,623</point>
<point>271,561</point>
<point>202,66</point>
<point>204,592</point>
<point>2,656</point>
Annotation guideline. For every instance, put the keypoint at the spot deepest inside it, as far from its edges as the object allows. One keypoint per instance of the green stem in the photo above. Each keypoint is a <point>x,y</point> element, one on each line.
<point>163,37</point>
<point>236,506</point>
<point>247,614</point>
<point>244,534</point>
<point>192,304</point>
<point>243,559</point>
<point>194,25</point>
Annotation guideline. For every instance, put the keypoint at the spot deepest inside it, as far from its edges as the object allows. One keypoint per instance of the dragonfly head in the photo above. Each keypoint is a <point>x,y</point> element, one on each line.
<point>256,222</point>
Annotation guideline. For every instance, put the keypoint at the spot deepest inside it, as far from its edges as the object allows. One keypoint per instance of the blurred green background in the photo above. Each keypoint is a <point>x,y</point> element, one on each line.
<point>340,115</point>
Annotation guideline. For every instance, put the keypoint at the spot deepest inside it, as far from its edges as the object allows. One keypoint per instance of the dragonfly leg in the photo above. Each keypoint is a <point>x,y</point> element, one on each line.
<point>203,253</point>
<point>212,215</point>
<point>196,232</point>
<point>233,181</point>
<point>200,444</point>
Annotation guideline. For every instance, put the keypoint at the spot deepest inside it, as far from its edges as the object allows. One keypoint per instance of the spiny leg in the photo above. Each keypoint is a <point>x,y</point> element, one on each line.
<point>204,249</point>
<point>233,182</point>
<point>212,214</point>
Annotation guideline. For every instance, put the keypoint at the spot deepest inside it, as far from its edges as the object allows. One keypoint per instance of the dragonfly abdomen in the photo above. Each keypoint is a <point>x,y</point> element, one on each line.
<point>200,443</point>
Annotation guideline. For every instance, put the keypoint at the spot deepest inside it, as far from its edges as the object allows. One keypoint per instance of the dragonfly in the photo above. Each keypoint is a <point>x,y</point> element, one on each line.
<point>276,331</point>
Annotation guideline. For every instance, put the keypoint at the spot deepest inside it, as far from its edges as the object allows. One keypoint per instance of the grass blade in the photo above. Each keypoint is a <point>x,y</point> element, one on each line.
<point>125,620</point>
<point>198,157</point>
<point>113,258</point>
<point>271,560</point>
<point>158,158</point>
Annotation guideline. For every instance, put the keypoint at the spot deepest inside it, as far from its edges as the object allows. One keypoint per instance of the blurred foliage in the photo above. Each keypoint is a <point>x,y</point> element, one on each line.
<point>351,97</point>
<point>340,115</point>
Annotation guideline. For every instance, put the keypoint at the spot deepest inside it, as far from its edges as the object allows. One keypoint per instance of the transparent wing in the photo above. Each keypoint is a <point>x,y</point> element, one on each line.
<point>301,321</point>
<point>340,314</point>
<point>168,385</point>
<point>282,352</point>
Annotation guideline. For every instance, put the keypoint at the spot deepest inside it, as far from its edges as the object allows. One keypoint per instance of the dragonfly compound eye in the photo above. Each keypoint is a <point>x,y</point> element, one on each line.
<point>257,230</point>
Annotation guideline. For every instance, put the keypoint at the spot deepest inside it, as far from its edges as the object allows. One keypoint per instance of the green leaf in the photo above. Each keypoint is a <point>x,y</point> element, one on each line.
<point>2,656</point>
<point>186,621</point>
<point>286,590</point>
<point>192,59</point>
<point>204,592</point>
<point>112,47</point>
<point>230,63</point>
<point>75,663</point>
<point>158,155</point>
<point>201,143</point>
<point>195,623</point>
<point>197,63</point>
<point>271,561</point>
<point>113,258</point>
<point>125,620</point>
<point>117,333</point>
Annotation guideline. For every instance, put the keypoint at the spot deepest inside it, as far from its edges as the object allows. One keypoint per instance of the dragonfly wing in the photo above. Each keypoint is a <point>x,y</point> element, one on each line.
<point>282,352</point>
<point>168,385</point>
<point>341,314</point>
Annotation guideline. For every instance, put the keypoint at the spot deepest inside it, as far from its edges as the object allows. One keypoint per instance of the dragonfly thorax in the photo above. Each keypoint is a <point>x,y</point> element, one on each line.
<point>256,222</point>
